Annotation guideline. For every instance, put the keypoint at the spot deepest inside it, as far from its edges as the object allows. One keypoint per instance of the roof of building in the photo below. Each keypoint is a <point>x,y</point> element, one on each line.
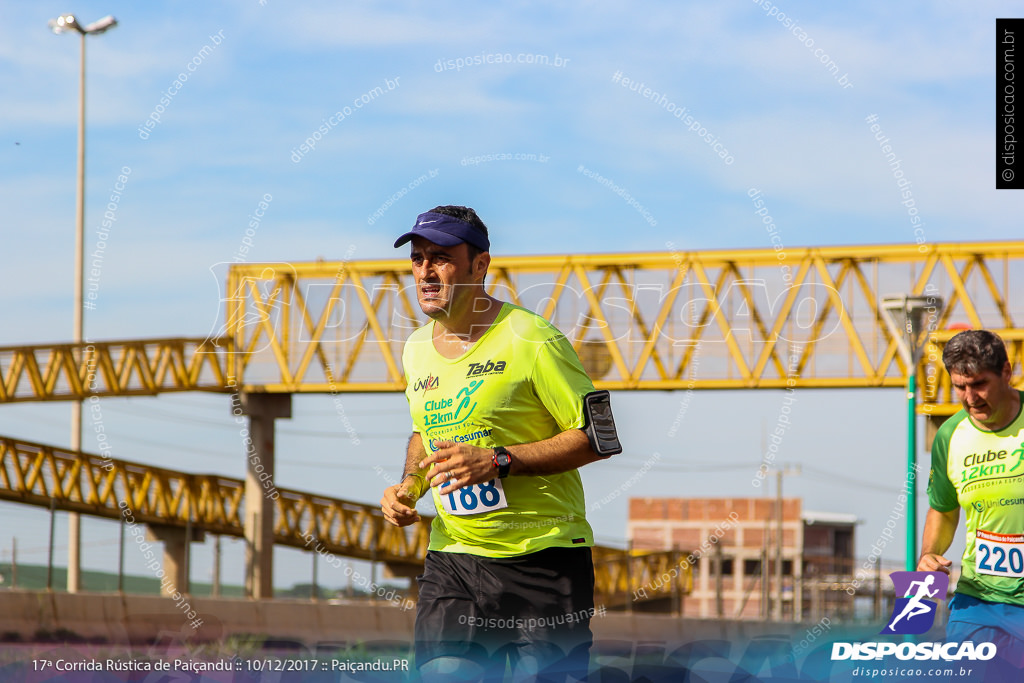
<point>812,517</point>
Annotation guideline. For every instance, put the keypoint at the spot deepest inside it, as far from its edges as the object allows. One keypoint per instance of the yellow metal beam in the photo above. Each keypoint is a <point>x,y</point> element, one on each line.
<point>718,320</point>
<point>746,310</point>
<point>61,372</point>
<point>36,474</point>
<point>41,475</point>
<point>618,574</point>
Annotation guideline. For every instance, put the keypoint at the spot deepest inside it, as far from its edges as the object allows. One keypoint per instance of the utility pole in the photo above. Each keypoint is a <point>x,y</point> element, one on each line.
<point>719,603</point>
<point>787,469</point>
<point>765,576</point>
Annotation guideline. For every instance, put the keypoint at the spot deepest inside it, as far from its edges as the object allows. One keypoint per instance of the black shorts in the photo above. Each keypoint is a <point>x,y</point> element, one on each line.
<point>486,609</point>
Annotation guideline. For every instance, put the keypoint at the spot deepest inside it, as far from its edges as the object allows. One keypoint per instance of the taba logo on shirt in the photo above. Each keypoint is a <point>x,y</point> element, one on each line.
<point>486,368</point>
<point>426,384</point>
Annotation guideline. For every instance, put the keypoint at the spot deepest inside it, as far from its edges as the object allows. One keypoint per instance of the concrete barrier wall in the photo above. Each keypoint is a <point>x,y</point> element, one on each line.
<point>115,618</point>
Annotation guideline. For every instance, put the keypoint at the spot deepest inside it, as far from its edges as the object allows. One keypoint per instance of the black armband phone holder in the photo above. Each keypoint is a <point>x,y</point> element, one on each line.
<point>599,425</point>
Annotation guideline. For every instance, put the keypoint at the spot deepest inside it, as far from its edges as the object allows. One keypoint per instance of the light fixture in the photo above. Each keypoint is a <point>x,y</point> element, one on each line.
<point>67,22</point>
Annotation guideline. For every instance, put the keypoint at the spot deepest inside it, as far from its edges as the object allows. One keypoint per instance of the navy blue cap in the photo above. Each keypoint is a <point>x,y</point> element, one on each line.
<point>445,230</point>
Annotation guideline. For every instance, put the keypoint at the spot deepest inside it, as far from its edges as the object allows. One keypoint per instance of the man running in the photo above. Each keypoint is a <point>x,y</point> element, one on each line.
<point>975,466</point>
<point>503,417</point>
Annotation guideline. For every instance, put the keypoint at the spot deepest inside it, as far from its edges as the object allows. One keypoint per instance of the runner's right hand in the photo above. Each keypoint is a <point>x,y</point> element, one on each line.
<point>399,503</point>
<point>931,562</point>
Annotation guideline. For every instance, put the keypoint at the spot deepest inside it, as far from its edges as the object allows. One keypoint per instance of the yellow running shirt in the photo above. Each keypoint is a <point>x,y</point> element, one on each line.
<point>521,382</point>
<point>983,472</point>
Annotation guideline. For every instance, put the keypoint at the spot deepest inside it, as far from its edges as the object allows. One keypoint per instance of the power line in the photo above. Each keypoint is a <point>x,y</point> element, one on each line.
<point>833,478</point>
<point>193,420</point>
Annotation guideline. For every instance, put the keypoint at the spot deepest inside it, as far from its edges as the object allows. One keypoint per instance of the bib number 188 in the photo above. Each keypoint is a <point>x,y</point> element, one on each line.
<point>475,499</point>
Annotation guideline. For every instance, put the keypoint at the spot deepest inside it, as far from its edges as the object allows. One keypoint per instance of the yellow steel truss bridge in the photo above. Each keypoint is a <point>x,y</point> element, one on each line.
<point>686,320</point>
<point>37,474</point>
<point>741,319</point>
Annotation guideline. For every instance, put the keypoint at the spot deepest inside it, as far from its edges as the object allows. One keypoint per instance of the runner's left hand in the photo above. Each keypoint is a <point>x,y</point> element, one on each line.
<point>466,464</point>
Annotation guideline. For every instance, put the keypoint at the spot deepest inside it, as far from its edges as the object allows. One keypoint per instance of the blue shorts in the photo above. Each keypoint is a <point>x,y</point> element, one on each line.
<point>988,622</point>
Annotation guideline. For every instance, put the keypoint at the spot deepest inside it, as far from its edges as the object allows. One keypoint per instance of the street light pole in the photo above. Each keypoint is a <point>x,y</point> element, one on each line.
<point>59,25</point>
<point>904,315</point>
<point>74,578</point>
<point>911,558</point>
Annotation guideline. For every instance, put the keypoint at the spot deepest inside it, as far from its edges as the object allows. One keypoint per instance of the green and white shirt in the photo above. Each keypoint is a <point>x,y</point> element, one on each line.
<point>983,472</point>
<point>521,382</point>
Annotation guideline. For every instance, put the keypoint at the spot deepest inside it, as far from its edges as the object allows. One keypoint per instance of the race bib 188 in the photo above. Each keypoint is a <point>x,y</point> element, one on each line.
<point>999,554</point>
<point>472,500</point>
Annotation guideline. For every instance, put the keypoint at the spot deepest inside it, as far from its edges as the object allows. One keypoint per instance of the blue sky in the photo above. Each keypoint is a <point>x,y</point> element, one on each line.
<point>228,137</point>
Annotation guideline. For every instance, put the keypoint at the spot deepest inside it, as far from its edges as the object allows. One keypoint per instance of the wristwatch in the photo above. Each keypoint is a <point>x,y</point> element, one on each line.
<point>502,460</point>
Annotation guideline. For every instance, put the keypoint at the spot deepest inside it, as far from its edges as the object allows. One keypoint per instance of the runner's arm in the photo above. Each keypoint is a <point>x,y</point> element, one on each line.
<point>414,453</point>
<point>470,465</point>
<point>398,503</point>
<point>563,452</point>
<point>939,528</point>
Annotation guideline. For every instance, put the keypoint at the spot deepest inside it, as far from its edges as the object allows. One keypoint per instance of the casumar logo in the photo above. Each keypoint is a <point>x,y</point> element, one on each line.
<point>914,614</point>
<point>426,384</point>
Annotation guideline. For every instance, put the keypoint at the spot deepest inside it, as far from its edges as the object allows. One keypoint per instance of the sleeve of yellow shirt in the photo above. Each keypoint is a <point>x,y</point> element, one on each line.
<point>561,382</point>
<point>942,494</point>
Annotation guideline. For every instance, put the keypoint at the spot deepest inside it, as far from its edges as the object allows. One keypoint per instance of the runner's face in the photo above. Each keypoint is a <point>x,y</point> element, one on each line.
<point>444,277</point>
<point>986,396</point>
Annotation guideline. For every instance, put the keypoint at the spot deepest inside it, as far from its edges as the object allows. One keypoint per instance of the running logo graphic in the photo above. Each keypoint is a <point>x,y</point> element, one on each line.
<point>1020,457</point>
<point>913,614</point>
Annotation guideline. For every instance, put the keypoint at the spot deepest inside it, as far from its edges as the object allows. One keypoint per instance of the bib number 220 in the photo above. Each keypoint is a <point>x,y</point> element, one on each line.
<point>472,500</point>
<point>999,554</point>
